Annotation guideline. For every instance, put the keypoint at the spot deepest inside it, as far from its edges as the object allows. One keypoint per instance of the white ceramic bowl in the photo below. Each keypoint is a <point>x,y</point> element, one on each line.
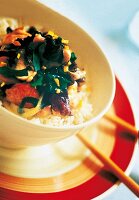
<point>16,131</point>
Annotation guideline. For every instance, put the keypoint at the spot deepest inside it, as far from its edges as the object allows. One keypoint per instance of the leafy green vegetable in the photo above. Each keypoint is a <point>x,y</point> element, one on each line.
<point>45,100</point>
<point>31,100</point>
<point>36,61</point>
<point>51,52</point>
<point>10,73</point>
<point>1,94</point>
<point>37,81</point>
<point>73,57</point>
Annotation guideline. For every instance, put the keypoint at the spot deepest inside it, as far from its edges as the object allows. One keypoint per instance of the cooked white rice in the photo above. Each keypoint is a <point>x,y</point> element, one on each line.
<point>81,108</point>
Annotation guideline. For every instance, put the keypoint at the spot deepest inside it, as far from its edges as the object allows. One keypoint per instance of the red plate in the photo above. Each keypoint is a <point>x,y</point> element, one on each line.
<point>103,182</point>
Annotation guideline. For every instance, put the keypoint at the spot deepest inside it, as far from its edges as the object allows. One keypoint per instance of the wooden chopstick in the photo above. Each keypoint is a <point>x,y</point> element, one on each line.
<point>115,169</point>
<point>127,126</point>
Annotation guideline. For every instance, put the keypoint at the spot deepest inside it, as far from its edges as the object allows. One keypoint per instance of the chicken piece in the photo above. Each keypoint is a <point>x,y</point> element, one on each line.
<point>66,55</point>
<point>20,64</point>
<point>3,60</point>
<point>18,33</point>
<point>38,38</point>
<point>44,112</point>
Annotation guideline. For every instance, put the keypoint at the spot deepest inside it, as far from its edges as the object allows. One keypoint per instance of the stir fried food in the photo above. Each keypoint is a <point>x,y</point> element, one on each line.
<point>38,72</point>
